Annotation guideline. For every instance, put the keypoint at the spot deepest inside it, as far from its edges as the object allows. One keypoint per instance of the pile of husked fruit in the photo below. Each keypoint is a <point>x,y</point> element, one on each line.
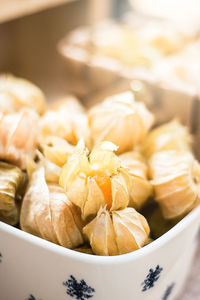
<point>83,179</point>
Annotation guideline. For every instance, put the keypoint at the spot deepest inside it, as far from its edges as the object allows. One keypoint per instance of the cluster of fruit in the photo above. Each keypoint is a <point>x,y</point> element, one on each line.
<point>82,179</point>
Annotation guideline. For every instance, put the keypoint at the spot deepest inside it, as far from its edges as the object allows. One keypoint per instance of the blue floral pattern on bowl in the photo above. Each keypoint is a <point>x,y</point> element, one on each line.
<point>78,290</point>
<point>168,291</point>
<point>31,297</point>
<point>151,278</point>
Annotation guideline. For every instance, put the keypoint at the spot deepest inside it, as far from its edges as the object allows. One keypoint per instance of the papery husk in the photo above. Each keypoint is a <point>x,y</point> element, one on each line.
<point>17,93</point>
<point>8,103</point>
<point>170,136</point>
<point>176,180</point>
<point>94,180</point>
<point>103,156</point>
<point>136,163</point>
<point>121,120</point>
<point>69,103</point>
<point>12,184</point>
<point>140,189</point>
<point>18,136</point>
<point>66,119</point>
<point>56,150</point>
<point>52,171</point>
<point>117,232</point>
<point>46,212</point>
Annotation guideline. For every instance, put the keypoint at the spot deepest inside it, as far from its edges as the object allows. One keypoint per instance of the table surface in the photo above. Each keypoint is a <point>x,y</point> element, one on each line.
<point>192,288</point>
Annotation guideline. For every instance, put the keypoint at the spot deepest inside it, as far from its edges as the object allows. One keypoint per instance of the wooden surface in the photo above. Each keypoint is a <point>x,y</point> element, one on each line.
<point>10,9</point>
<point>29,45</point>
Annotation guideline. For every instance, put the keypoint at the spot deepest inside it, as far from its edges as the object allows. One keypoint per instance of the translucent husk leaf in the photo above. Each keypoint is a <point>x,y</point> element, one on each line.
<point>35,215</point>
<point>56,150</point>
<point>66,119</point>
<point>176,180</point>
<point>17,93</point>
<point>103,156</point>
<point>93,180</point>
<point>170,136</point>
<point>46,212</point>
<point>135,172</point>
<point>77,163</point>
<point>94,199</point>
<point>101,235</point>
<point>121,120</point>
<point>11,188</point>
<point>66,218</point>
<point>52,171</point>
<point>18,136</point>
<point>140,192</point>
<point>135,162</point>
<point>120,192</point>
<point>117,232</point>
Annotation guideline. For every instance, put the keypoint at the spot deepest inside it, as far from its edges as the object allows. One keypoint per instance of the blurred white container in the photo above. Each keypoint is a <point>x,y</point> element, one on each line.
<point>187,11</point>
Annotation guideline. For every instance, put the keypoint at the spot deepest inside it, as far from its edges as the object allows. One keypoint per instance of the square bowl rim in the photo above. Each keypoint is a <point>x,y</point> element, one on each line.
<point>104,260</point>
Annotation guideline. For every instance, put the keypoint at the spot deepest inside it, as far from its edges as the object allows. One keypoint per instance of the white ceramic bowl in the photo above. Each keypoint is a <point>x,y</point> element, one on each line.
<point>34,269</point>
